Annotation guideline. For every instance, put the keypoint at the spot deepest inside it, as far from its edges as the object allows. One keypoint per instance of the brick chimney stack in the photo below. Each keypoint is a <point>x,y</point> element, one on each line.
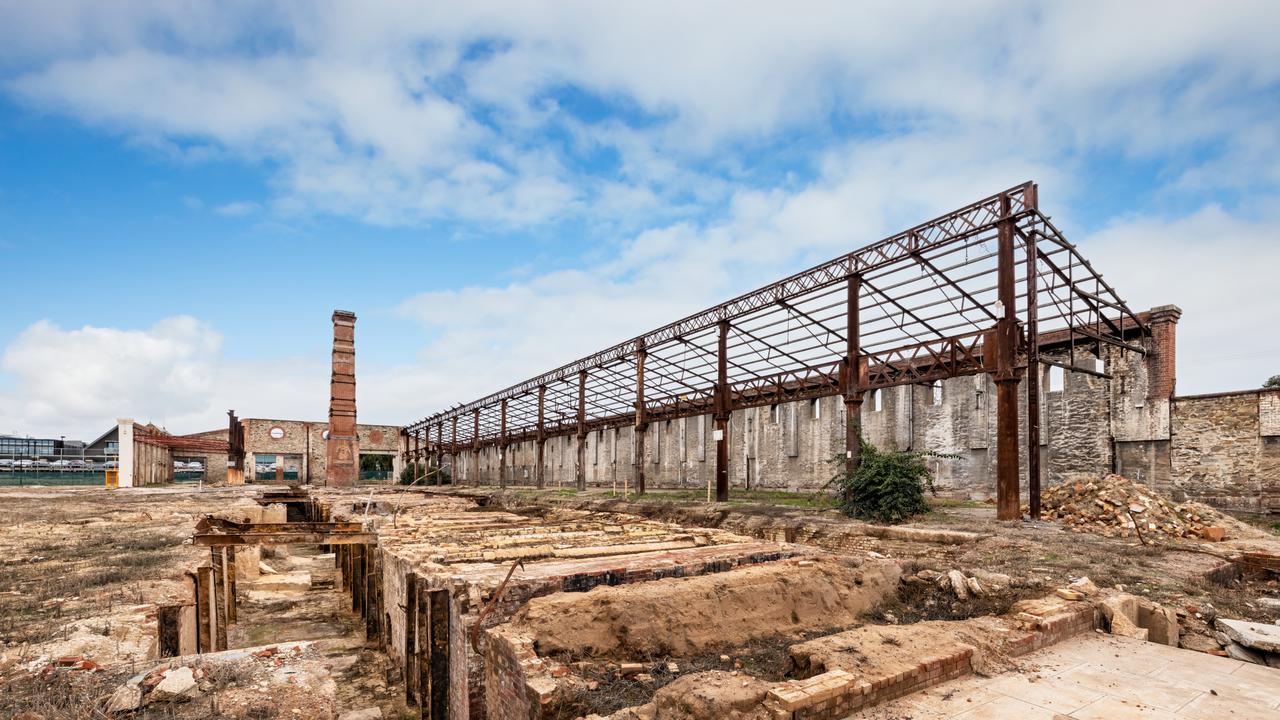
<point>1163,351</point>
<point>342,451</point>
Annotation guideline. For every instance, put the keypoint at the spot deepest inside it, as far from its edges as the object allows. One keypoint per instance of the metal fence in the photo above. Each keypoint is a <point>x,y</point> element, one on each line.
<point>75,467</point>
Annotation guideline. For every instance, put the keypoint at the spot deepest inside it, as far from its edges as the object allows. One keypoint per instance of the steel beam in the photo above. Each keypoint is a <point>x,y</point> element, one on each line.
<point>581,466</point>
<point>540,473</point>
<point>724,408</point>
<point>641,426</point>
<point>1033,383</point>
<point>853,377</point>
<point>502,446</point>
<point>1006,378</point>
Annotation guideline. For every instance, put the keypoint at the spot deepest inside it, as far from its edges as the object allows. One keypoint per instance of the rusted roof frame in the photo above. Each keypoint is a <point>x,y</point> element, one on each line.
<point>946,263</point>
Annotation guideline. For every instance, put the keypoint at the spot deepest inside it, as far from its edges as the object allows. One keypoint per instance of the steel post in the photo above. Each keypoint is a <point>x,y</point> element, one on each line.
<point>853,378</point>
<point>1007,501</point>
<point>1033,383</point>
<point>723,410</point>
<point>540,473</point>
<point>502,446</point>
<point>642,419</point>
<point>581,471</point>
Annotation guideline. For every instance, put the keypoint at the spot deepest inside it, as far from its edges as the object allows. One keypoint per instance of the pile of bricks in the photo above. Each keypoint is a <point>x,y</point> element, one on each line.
<point>1118,507</point>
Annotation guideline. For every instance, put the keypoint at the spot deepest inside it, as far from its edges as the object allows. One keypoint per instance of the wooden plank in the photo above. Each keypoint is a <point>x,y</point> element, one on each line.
<point>204,618</point>
<point>424,651</point>
<point>410,639</point>
<point>440,624</point>
<point>373,597</point>
<point>218,600</point>
<point>229,539</point>
<point>232,596</point>
<point>168,630</point>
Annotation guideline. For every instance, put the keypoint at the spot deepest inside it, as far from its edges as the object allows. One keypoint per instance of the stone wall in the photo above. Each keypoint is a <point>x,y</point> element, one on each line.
<point>798,446</point>
<point>1225,450</point>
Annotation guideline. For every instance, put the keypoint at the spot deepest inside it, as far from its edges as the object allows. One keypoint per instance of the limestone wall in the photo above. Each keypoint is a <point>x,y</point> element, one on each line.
<point>1225,450</point>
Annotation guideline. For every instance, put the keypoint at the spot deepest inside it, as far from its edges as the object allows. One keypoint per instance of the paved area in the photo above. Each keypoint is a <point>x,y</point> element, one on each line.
<point>1100,677</point>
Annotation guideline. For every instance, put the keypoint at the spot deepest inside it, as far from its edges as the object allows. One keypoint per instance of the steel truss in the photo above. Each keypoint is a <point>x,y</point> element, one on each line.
<point>969,292</point>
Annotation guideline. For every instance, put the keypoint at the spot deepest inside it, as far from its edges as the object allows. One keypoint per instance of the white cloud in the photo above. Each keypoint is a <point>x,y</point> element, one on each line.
<point>1219,268</point>
<point>369,109</point>
<point>389,113</point>
<point>512,332</point>
<point>240,208</point>
<point>77,382</point>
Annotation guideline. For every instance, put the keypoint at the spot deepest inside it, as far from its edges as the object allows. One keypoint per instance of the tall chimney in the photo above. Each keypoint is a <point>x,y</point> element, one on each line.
<point>342,451</point>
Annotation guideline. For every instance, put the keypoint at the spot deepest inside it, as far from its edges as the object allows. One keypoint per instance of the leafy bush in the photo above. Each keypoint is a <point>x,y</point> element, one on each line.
<point>1272,382</point>
<point>427,477</point>
<point>887,485</point>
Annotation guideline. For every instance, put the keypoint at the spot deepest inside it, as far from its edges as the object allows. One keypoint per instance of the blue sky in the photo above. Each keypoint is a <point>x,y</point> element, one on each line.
<point>187,191</point>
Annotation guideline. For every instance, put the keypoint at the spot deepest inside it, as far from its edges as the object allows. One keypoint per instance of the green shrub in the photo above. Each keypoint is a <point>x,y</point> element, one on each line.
<point>887,486</point>
<point>436,476</point>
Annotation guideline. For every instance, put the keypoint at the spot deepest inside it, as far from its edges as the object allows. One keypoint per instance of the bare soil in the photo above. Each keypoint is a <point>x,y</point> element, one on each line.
<point>81,573</point>
<point>682,616</point>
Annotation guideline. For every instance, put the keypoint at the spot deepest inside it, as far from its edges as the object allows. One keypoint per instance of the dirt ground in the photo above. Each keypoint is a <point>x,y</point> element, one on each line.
<point>82,570</point>
<point>682,616</point>
<point>1035,554</point>
<point>81,573</point>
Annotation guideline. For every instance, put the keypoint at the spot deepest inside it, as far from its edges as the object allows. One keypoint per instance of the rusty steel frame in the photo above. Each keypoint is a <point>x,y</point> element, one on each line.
<point>939,300</point>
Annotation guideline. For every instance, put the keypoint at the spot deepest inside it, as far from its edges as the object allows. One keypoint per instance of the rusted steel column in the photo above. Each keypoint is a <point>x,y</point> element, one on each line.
<point>539,473</point>
<point>502,446</point>
<point>642,418</point>
<point>417,448</point>
<point>475,442</point>
<point>854,378</point>
<point>581,471</point>
<point>1033,383</point>
<point>723,406</point>
<point>453,451</point>
<point>439,451</point>
<point>1007,501</point>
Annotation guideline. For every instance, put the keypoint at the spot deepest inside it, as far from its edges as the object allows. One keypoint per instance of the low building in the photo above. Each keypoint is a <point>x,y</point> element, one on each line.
<point>294,451</point>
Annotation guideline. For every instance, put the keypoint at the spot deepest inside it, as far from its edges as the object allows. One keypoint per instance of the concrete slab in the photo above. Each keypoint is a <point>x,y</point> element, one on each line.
<point>1258,636</point>
<point>1103,677</point>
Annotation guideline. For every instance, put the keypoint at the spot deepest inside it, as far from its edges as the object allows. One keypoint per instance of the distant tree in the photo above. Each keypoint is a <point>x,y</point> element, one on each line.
<point>1272,382</point>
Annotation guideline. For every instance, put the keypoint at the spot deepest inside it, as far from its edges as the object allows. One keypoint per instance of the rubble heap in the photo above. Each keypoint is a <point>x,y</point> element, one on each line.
<point>1115,506</point>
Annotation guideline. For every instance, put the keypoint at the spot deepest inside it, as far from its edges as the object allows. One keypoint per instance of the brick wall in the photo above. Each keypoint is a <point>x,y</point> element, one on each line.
<point>306,439</point>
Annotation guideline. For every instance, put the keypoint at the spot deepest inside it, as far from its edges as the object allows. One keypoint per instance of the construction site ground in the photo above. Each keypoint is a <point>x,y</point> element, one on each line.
<point>83,569</point>
<point>1102,677</point>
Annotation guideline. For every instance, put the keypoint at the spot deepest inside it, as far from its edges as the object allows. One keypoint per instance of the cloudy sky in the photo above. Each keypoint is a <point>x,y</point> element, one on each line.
<point>188,189</point>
